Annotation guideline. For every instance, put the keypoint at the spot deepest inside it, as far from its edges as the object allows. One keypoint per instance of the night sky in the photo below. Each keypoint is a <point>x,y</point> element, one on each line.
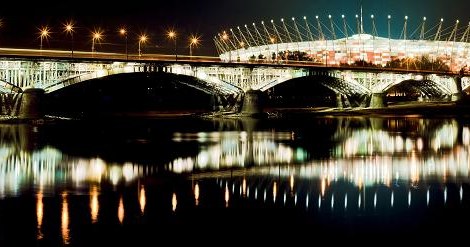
<point>205,18</point>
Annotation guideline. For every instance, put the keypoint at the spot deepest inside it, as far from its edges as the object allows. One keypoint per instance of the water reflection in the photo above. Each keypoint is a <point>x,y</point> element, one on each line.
<point>174,202</point>
<point>39,214</point>
<point>142,199</point>
<point>65,220</point>
<point>196,194</point>
<point>121,210</point>
<point>349,166</point>
<point>22,166</point>
<point>94,204</point>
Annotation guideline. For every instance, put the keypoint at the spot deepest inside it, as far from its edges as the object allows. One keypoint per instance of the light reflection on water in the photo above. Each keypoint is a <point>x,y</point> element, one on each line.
<point>370,165</point>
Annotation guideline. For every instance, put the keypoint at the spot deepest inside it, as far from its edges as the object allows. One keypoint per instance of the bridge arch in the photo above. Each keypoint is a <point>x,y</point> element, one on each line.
<point>205,83</point>
<point>344,92</point>
<point>422,88</point>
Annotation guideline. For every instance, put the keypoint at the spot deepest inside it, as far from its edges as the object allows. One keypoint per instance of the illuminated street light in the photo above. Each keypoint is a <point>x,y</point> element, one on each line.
<point>142,39</point>
<point>68,29</point>
<point>172,36</point>
<point>96,37</point>
<point>123,32</point>
<point>44,33</point>
<point>194,40</point>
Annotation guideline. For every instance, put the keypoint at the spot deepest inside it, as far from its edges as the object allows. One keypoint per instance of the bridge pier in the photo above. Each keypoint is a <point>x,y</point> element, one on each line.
<point>378,100</point>
<point>252,103</point>
<point>342,101</point>
<point>458,96</point>
<point>31,104</point>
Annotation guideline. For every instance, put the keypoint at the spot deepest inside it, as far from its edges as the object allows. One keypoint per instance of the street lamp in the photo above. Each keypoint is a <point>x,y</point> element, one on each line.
<point>123,32</point>
<point>96,37</point>
<point>68,29</point>
<point>142,39</point>
<point>172,35</point>
<point>43,34</point>
<point>194,40</point>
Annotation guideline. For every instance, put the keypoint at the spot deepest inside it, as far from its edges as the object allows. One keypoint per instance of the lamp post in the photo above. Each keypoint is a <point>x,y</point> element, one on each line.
<point>123,32</point>
<point>43,34</point>
<point>68,28</point>
<point>192,41</point>
<point>172,35</point>
<point>142,39</point>
<point>96,36</point>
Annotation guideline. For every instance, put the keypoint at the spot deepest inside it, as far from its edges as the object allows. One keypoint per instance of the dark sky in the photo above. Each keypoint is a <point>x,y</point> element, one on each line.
<point>205,18</point>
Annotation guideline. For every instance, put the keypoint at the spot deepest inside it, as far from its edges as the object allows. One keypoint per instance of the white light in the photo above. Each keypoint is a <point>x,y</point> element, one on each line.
<point>262,22</point>
<point>427,198</point>
<point>357,16</point>
<point>238,27</point>
<point>245,25</point>
<point>305,17</point>
<point>282,19</point>
<point>409,198</point>
<point>316,16</point>
<point>375,200</point>
<point>254,24</point>
<point>329,16</point>
<point>293,18</point>
<point>342,16</point>
<point>332,201</point>
<point>442,19</point>
<point>372,16</point>
<point>445,195</point>
<point>406,17</point>
<point>424,18</point>
<point>389,17</point>
<point>457,21</point>
<point>272,21</point>
<point>231,30</point>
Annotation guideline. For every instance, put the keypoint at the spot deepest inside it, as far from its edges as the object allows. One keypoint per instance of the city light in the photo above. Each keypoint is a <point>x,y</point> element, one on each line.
<point>142,39</point>
<point>69,29</point>
<point>96,36</point>
<point>123,32</point>
<point>172,36</point>
<point>193,41</point>
<point>44,33</point>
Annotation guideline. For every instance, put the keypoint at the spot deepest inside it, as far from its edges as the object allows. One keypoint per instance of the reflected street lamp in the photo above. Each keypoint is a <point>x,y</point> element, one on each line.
<point>43,34</point>
<point>172,35</point>
<point>68,28</point>
<point>123,32</point>
<point>192,41</point>
<point>142,39</point>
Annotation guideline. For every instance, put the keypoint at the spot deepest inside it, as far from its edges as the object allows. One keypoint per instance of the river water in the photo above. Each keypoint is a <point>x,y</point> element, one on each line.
<point>115,180</point>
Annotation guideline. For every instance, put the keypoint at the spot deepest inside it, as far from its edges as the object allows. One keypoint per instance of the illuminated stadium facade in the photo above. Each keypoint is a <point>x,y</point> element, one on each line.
<point>335,45</point>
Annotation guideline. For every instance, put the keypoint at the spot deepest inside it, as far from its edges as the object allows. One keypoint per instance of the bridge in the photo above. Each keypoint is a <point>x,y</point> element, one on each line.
<point>25,75</point>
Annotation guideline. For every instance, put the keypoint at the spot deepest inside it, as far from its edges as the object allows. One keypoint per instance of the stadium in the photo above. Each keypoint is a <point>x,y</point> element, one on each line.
<point>438,47</point>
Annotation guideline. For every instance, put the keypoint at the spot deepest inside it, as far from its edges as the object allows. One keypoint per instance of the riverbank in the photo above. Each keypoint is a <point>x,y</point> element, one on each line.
<point>408,108</point>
